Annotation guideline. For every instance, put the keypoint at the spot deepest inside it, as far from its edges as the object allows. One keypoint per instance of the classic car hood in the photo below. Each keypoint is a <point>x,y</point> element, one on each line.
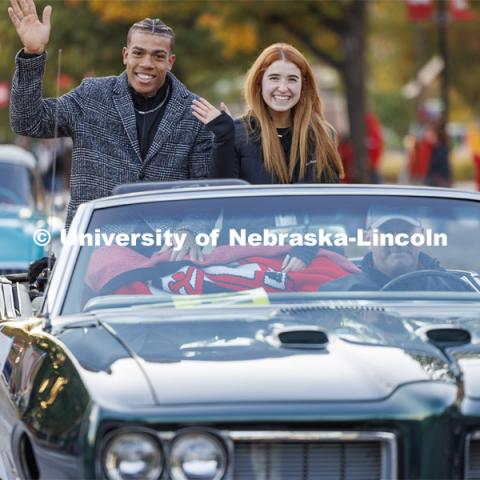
<point>295,377</point>
<point>212,357</point>
<point>112,376</point>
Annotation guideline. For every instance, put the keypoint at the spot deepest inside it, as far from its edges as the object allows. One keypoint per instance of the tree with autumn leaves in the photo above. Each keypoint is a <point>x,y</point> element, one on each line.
<point>219,40</point>
<point>331,32</point>
<point>223,37</point>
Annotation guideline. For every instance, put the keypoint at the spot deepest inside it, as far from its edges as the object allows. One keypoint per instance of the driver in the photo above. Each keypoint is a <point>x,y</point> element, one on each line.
<point>385,262</point>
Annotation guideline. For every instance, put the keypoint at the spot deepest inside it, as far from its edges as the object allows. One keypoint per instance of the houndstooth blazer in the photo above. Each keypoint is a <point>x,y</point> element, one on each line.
<point>100,118</point>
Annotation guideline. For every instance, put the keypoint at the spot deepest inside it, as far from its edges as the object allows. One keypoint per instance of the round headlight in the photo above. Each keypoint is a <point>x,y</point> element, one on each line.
<point>197,456</point>
<point>133,456</point>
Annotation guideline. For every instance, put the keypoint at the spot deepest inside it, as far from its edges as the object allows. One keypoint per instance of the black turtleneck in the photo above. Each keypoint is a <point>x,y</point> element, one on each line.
<point>149,112</point>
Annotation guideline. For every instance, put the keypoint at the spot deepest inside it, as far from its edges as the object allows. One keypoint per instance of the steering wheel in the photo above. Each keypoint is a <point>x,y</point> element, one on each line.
<point>449,281</point>
<point>10,196</point>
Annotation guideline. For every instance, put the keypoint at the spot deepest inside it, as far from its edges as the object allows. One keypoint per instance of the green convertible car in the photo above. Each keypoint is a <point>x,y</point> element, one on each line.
<point>212,331</point>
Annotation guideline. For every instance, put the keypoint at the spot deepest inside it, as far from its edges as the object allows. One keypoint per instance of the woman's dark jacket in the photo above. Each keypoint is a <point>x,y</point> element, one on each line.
<point>238,154</point>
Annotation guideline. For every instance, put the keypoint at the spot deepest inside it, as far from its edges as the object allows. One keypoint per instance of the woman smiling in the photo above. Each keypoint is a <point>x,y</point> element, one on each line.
<point>283,137</point>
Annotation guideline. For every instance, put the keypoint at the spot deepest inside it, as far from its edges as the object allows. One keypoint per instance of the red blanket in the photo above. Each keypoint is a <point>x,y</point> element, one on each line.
<point>226,268</point>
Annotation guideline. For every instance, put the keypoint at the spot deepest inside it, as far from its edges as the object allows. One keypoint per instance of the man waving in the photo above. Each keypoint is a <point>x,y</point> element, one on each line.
<point>136,126</point>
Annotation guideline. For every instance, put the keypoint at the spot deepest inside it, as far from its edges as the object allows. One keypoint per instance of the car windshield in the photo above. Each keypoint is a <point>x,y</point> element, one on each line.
<point>279,244</point>
<point>16,185</point>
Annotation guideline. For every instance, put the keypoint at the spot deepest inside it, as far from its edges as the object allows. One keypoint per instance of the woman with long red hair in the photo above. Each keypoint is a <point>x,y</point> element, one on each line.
<point>283,137</point>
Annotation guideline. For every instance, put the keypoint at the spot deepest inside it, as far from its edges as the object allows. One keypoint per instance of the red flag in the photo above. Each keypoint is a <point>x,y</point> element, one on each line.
<point>459,10</point>
<point>4,94</point>
<point>65,81</point>
<point>419,10</point>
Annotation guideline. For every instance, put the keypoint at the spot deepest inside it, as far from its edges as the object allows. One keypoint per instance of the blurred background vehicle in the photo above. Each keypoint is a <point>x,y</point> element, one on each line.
<point>22,210</point>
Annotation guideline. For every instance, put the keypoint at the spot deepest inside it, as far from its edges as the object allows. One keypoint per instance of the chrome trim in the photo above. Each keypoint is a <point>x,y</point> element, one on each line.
<point>3,314</point>
<point>165,439</point>
<point>223,443</point>
<point>273,190</point>
<point>107,438</point>
<point>307,436</point>
<point>9,302</point>
<point>468,439</point>
<point>389,452</point>
<point>389,455</point>
<point>66,262</point>
<point>69,254</point>
<point>19,301</point>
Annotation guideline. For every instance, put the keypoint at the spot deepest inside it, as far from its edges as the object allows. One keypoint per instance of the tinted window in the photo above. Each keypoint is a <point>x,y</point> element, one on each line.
<point>251,237</point>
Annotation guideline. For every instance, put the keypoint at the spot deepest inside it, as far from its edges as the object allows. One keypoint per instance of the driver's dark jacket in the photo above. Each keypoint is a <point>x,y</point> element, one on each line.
<point>371,279</point>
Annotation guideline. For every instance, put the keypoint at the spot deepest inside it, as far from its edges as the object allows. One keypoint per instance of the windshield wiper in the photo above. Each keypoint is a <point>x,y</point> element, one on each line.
<point>260,297</point>
<point>257,296</point>
<point>122,301</point>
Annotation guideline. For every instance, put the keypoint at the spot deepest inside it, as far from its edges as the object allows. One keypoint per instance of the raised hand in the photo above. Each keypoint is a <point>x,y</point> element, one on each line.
<point>205,111</point>
<point>33,33</point>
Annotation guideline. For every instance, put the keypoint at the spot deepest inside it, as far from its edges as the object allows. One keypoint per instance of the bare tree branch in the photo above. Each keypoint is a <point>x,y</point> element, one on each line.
<point>306,39</point>
<point>333,24</point>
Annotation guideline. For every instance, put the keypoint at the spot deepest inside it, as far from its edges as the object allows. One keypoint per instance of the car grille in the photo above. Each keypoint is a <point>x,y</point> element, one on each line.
<point>472,457</point>
<point>305,455</point>
<point>314,455</point>
<point>290,461</point>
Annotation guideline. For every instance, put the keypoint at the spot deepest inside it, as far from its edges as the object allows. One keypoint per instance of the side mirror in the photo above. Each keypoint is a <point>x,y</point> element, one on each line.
<point>38,275</point>
<point>7,305</point>
<point>14,300</point>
